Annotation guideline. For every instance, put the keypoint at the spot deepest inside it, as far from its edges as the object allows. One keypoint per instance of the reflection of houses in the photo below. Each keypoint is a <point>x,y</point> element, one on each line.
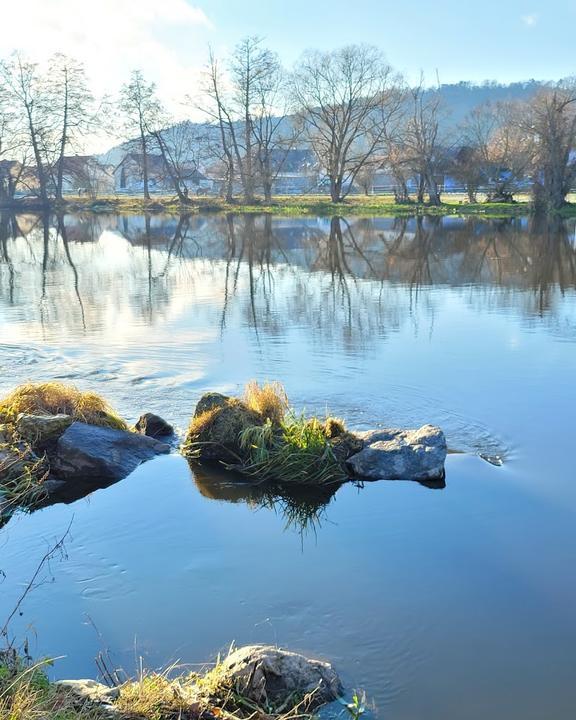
<point>129,176</point>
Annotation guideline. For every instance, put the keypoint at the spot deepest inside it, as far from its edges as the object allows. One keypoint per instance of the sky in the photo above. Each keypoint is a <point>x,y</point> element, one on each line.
<point>504,40</point>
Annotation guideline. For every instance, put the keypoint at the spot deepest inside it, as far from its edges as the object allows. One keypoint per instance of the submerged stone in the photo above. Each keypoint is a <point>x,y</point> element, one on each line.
<point>88,452</point>
<point>393,454</point>
<point>269,675</point>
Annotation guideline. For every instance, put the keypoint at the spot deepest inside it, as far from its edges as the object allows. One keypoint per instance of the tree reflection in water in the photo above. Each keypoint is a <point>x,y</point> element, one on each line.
<point>344,278</point>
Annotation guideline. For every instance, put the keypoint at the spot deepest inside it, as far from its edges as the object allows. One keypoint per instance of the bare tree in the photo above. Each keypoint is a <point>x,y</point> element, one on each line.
<point>11,147</point>
<point>246,104</point>
<point>140,108</point>
<point>422,143</point>
<point>69,100</point>
<point>549,121</point>
<point>215,109</point>
<point>26,93</point>
<point>347,99</point>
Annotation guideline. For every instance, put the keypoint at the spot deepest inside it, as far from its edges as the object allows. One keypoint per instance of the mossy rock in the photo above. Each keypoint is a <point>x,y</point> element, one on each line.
<point>345,445</point>
<point>209,401</point>
<point>41,429</point>
<point>214,433</point>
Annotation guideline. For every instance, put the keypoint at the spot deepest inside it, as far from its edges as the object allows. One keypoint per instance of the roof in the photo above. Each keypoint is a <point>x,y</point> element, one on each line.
<point>157,165</point>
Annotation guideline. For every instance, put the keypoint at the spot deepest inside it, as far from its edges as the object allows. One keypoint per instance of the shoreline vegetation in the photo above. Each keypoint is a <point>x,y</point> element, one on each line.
<point>286,205</point>
<point>256,682</point>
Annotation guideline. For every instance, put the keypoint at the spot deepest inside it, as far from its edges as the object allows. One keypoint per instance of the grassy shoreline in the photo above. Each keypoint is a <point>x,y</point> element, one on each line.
<point>289,206</point>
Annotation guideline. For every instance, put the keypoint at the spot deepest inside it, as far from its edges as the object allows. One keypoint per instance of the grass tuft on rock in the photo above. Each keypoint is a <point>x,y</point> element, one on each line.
<point>22,478</point>
<point>260,436</point>
<point>54,398</point>
<point>297,451</point>
<point>269,400</point>
<point>192,696</point>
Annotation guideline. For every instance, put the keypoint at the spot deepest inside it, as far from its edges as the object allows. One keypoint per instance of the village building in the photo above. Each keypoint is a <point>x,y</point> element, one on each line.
<point>129,176</point>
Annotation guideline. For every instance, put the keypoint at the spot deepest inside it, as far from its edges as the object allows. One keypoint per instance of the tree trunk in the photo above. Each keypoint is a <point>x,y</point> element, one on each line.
<point>63,142</point>
<point>144,163</point>
<point>336,189</point>
<point>433,191</point>
<point>421,188</point>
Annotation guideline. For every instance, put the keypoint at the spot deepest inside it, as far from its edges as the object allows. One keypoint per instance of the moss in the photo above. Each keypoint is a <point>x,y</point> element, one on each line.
<point>215,433</point>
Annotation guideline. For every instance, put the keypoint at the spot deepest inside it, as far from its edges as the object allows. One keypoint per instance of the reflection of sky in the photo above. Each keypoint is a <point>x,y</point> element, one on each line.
<point>469,587</point>
<point>158,326</point>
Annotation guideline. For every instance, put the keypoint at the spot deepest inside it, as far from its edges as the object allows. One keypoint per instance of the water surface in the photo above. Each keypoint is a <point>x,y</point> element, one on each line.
<point>445,603</point>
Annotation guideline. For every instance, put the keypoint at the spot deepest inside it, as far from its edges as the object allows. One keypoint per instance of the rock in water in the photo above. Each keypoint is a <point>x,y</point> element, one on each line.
<point>209,401</point>
<point>41,429</point>
<point>153,426</point>
<point>269,675</point>
<point>87,452</point>
<point>214,433</point>
<point>392,454</point>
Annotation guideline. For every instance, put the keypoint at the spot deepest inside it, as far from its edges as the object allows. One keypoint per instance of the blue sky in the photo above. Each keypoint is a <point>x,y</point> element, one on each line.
<point>504,40</point>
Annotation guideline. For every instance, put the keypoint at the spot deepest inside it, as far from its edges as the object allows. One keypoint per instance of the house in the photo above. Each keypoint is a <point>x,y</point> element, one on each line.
<point>129,176</point>
<point>85,174</point>
<point>11,172</point>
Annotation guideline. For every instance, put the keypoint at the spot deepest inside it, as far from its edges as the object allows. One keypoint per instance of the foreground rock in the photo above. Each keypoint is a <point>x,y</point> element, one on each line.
<point>269,676</point>
<point>90,690</point>
<point>392,454</point>
<point>38,430</point>
<point>87,452</point>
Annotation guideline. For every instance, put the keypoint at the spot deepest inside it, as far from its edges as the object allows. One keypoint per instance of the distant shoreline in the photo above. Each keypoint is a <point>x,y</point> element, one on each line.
<point>290,206</point>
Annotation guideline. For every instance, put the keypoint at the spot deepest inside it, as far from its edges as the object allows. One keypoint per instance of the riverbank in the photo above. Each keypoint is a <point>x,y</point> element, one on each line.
<point>290,206</point>
<point>255,682</point>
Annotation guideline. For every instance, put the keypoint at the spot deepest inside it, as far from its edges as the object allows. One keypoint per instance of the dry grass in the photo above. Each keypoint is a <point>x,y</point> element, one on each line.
<point>192,696</point>
<point>155,696</point>
<point>53,398</point>
<point>26,694</point>
<point>333,427</point>
<point>22,480</point>
<point>269,400</point>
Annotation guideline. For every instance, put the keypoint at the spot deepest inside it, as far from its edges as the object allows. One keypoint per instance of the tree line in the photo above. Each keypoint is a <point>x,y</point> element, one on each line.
<point>347,107</point>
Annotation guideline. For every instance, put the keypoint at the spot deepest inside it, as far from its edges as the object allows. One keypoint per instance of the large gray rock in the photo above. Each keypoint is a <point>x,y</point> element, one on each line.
<point>40,429</point>
<point>392,454</point>
<point>87,452</point>
<point>269,675</point>
<point>90,690</point>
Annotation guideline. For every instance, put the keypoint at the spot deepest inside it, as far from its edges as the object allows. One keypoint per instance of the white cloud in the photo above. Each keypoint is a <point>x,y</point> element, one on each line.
<point>530,20</point>
<point>166,40</point>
